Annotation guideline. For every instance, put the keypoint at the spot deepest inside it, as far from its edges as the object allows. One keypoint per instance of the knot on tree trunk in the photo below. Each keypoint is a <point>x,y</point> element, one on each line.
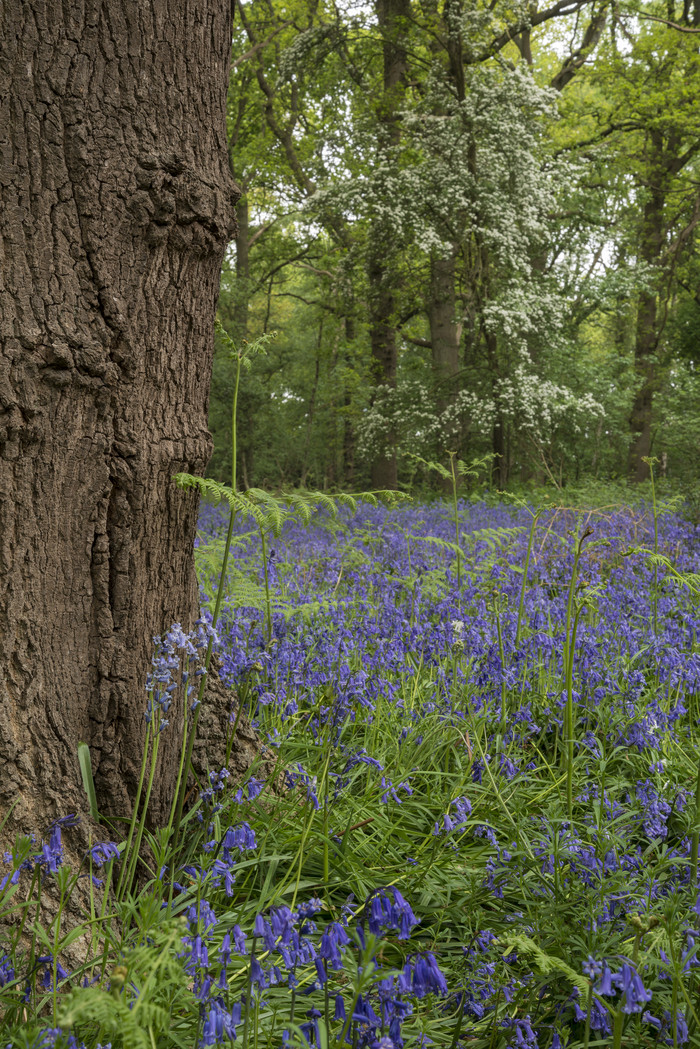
<point>177,205</point>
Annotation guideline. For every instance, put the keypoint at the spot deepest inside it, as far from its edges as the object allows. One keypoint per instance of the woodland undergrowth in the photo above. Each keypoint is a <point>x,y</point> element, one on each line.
<point>478,824</point>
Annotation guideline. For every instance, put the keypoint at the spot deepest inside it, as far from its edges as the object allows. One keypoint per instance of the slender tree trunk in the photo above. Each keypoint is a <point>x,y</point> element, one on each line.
<point>116,204</point>
<point>311,410</point>
<point>242,269</point>
<point>500,462</point>
<point>444,341</point>
<point>381,266</point>
<point>384,356</point>
<point>347,479</point>
<point>444,331</point>
<point>647,327</point>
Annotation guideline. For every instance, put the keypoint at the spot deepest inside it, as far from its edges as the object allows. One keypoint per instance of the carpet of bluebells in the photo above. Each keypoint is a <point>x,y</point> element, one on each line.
<point>403,868</point>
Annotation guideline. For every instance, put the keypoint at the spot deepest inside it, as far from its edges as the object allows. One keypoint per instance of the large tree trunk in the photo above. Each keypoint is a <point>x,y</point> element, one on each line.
<point>116,203</point>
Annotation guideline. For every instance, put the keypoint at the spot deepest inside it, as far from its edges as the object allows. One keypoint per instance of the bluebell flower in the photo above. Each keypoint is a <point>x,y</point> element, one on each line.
<point>282,921</point>
<point>427,977</point>
<point>10,879</point>
<point>364,1013</point>
<point>333,939</point>
<point>198,954</point>
<point>312,1026</point>
<point>605,985</point>
<point>635,995</point>
<point>202,914</point>
<point>222,873</point>
<point>239,940</point>
<point>51,856</point>
<point>225,950</point>
<point>252,789</point>
<point>7,972</point>
<point>46,977</point>
<point>681,1027</point>
<point>241,837</point>
<point>219,1023</point>
<point>103,852</point>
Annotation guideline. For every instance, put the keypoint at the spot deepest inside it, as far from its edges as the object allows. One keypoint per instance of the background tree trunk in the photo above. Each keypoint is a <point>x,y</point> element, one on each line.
<point>116,204</point>
<point>444,330</point>
<point>392,16</point>
<point>384,349</point>
<point>647,328</point>
<point>242,269</point>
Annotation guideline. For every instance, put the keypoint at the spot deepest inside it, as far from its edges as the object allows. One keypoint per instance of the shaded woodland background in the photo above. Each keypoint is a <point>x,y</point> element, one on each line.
<point>473,228</point>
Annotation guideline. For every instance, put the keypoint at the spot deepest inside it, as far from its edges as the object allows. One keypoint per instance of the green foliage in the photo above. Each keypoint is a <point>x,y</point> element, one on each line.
<point>489,899</point>
<point>141,1017</point>
<point>534,203</point>
<point>86,776</point>
<point>241,589</point>
<point>546,964</point>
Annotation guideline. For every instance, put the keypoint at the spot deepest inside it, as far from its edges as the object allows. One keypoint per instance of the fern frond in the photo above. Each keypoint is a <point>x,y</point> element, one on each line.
<point>444,544</point>
<point>259,495</point>
<point>385,495</point>
<point>494,538</point>
<point>325,500</point>
<point>546,964</point>
<point>430,465</point>
<point>691,580</point>
<point>300,507</point>
<point>471,469</point>
<point>346,499</point>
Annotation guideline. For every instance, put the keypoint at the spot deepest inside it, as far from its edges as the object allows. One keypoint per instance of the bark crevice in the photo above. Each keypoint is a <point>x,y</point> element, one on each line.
<point>116,205</point>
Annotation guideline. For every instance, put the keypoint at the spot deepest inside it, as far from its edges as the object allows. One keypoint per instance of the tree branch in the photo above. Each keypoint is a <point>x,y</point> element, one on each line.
<point>671,25</point>
<point>260,44</point>
<point>573,63</point>
<point>560,9</point>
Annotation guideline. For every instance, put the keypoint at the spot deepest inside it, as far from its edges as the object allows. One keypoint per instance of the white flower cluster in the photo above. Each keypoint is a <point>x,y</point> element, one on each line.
<point>408,414</point>
<point>536,406</point>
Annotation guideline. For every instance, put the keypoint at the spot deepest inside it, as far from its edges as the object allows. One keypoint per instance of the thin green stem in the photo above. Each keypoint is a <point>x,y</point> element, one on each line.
<point>234,424</point>
<point>523,585</point>
<point>570,717</point>
<point>617,1031</point>
<point>189,738</point>
<point>268,602</point>
<point>181,785</point>
<point>455,513</point>
<point>502,657</point>
<point>587,1030</point>
<point>134,856</point>
<point>656,548</point>
<point>695,841</point>
<point>246,1019</point>
<point>126,855</point>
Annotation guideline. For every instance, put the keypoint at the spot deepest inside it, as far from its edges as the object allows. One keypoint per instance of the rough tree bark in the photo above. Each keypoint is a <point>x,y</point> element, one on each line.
<point>116,203</point>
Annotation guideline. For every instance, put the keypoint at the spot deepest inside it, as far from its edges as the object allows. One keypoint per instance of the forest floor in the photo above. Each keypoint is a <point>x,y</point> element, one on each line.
<point>485,728</point>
